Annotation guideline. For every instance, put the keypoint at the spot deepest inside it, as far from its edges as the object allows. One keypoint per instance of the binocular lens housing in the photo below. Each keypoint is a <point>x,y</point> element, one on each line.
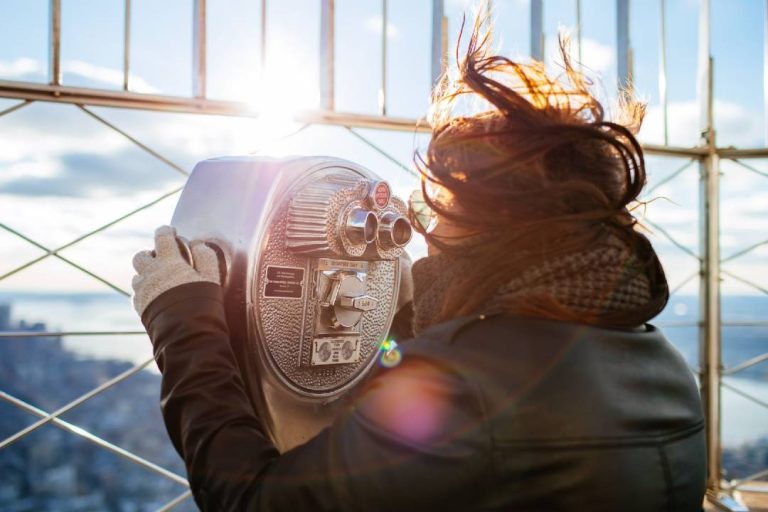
<point>394,231</point>
<point>361,226</point>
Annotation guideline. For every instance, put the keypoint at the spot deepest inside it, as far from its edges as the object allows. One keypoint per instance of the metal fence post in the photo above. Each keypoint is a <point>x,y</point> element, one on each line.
<point>54,48</point>
<point>199,57</point>
<point>709,339</point>
<point>537,29</point>
<point>327,55</point>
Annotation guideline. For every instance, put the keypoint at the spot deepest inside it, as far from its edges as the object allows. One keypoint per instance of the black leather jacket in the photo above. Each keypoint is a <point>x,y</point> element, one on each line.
<point>497,413</point>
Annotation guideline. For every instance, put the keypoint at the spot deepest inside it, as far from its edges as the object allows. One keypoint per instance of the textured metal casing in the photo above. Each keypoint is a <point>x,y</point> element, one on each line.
<point>248,205</point>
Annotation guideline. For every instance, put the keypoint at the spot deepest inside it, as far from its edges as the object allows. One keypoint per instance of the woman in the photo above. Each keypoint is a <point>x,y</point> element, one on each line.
<point>533,381</point>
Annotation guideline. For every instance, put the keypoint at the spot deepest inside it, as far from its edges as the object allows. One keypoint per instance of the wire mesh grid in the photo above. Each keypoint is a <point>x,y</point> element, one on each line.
<point>54,417</point>
<point>706,154</point>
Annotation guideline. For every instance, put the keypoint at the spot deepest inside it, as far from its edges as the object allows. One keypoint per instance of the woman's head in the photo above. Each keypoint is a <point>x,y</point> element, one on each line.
<point>531,172</point>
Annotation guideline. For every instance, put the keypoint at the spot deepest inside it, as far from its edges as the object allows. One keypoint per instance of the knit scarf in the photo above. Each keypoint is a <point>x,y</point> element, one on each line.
<point>609,284</point>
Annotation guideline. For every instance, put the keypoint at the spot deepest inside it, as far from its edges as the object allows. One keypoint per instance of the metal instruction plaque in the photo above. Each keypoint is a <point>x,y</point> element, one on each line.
<point>336,350</point>
<point>284,283</point>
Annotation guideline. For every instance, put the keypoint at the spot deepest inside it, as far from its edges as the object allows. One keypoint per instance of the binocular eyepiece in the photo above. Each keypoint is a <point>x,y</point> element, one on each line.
<point>391,231</point>
<point>394,232</point>
<point>372,224</point>
<point>362,226</point>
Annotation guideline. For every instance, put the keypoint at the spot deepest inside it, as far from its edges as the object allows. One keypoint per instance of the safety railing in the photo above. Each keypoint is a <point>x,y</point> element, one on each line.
<point>707,155</point>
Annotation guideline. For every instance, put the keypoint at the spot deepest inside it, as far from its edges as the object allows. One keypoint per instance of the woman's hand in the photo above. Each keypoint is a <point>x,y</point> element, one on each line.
<point>165,267</point>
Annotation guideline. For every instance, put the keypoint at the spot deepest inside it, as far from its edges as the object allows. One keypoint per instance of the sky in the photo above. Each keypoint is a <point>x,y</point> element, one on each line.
<point>63,174</point>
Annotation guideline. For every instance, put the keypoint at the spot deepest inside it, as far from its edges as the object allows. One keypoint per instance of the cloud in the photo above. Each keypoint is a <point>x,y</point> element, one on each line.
<point>86,175</point>
<point>597,56</point>
<point>100,76</point>
<point>79,72</point>
<point>21,69</point>
<point>735,124</point>
<point>374,24</point>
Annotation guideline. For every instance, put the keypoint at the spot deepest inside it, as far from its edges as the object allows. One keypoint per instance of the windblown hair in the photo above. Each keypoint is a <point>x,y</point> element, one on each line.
<point>536,173</point>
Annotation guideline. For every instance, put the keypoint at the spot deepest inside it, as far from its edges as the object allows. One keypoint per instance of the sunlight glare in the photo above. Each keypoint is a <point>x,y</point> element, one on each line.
<point>285,91</point>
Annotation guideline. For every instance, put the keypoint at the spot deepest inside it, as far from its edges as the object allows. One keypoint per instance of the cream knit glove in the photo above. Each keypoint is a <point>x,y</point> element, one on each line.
<point>166,268</point>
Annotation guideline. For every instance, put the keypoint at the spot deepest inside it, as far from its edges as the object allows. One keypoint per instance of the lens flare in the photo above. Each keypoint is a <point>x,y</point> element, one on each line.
<point>390,355</point>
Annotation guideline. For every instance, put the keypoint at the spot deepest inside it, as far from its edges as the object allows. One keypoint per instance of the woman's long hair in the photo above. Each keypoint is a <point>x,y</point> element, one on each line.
<point>537,172</point>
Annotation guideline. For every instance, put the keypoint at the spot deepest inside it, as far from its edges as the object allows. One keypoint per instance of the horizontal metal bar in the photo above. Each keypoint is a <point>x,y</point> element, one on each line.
<point>746,364</point>
<point>178,500</point>
<point>676,325</point>
<point>88,436</point>
<point>74,403</point>
<point>733,153</point>
<point>661,150</point>
<point>746,323</point>
<point>749,486</point>
<point>139,101</point>
<point>62,334</point>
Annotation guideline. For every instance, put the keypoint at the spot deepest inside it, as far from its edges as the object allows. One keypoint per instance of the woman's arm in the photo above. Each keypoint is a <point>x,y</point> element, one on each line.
<point>413,441</point>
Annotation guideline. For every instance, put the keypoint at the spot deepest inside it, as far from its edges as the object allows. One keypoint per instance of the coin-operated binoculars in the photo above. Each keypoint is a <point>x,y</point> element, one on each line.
<point>309,249</point>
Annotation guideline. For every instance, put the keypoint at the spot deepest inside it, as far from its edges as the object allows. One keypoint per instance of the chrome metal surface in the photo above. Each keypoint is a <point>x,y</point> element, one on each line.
<point>663,69</point>
<point>384,52</point>
<point>127,45</point>
<point>437,47</point>
<point>310,305</point>
<point>578,33</point>
<point>361,226</point>
<point>394,231</point>
<point>537,29</point>
<point>710,334</point>
<point>623,46</point>
<point>54,37</point>
<point>199,73</point>
<point>327,54</point>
